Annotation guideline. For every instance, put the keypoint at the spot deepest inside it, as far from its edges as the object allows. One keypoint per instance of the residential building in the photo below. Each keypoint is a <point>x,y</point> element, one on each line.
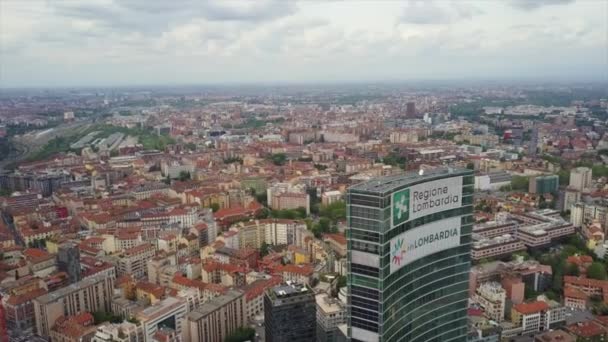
<point>218,318</point>
<point>492,297</point>
<point>580,178</point>
<point>88,295</point>
<point>133,260</point>
<point>119,332</point>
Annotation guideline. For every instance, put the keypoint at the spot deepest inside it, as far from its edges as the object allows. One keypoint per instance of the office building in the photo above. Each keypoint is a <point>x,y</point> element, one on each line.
<point>409,256</point>
<point>580,178</point>
<point>543,184</point>
<point>495,247</point>
<point>331,312</point>
<point>290,313</point>
<point>217,318</point>
<point>89,295</point>
<point>68,261</point>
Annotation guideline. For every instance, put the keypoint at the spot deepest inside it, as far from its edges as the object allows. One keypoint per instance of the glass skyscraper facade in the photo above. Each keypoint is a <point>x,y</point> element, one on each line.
<point>409,242</point>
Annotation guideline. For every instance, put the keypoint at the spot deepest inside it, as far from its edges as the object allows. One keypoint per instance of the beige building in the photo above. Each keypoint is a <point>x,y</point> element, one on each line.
<point>133,261</point>
<point>491,297</point>
<point>217,318</point>
<point>89,295</point>
<point>580,178</point>
<point>121,332</point>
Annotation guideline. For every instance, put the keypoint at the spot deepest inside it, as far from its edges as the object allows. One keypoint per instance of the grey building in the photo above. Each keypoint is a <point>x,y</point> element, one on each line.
<point>68,261</point>
<point>331,313</point>
<point>290,313</point>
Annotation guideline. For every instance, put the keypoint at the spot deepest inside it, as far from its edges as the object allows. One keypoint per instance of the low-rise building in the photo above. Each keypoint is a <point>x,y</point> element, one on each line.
<point>492,298</point>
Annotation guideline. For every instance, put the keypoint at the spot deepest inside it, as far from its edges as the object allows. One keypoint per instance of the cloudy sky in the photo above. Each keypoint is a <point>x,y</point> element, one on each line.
<point>134,42</point>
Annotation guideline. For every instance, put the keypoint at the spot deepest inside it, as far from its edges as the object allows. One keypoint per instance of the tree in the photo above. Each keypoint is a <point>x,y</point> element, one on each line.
<point>190,146</point>
<point>262,214</point>
<point>184,176</point>
<point>264,249</point>
<point>597,271</point>
<point>278,159</point>
<point>214,207</point>
<point>571,270</point>
<point>519,183</point>
<point>241,334</point>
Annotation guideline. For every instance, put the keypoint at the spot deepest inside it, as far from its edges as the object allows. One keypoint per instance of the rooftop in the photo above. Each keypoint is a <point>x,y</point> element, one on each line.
<point>214,304</point>
<point>65,291</point>
<point>384,185</point>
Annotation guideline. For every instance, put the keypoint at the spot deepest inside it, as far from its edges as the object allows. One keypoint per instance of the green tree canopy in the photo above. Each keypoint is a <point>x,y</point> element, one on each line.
<point>597,271</point>
<point>519,183</point>
<point>241,334</point>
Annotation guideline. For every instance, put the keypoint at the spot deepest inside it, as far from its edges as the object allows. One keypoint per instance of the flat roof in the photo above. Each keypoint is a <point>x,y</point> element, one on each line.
<point>390,183</point>
<point>214,304</point>
<point>65,291</point>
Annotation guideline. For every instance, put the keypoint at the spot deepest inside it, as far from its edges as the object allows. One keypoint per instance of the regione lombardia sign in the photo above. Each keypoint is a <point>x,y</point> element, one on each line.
<point>425,199</point>
<point>418,201</point>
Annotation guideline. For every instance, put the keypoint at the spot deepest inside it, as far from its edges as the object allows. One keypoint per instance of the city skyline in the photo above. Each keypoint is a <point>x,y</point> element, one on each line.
<point>112,43</point>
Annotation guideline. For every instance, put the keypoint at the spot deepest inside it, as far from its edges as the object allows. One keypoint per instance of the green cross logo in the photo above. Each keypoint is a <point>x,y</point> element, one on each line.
<point>401,206</point>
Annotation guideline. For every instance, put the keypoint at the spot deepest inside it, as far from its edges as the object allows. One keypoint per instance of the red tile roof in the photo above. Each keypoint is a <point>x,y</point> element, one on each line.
<point>586,329</point>
<point>531,308</point>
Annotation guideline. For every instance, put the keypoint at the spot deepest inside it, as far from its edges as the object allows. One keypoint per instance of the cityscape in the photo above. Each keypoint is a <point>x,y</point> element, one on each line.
<point>329,204</point>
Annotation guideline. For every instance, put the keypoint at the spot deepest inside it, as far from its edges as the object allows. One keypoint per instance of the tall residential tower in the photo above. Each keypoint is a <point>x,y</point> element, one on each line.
<point>409,249</point>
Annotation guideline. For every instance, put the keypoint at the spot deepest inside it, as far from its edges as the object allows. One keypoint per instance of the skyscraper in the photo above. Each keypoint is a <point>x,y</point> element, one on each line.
<point>290,313</point>
<point>409,249</point>
<point>68,260</point>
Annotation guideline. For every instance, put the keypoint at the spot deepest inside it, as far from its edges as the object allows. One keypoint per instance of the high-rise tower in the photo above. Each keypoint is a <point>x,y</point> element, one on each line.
<point>409,248</point>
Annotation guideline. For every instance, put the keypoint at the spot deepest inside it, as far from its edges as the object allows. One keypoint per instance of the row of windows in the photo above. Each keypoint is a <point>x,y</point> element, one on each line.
<point>395,319</point>
<point>422,328</point>
<point>363,324</point>
<point>364,270</point>
<point>364,292</point>
<point>358,280</point>
<point>407,284</point>
<point>442,333</point>
<point>363,234</point>
<point>370,225</point>
<point>376,221</point>
<point>431,291</point>
<point>369,315</point>
<point>365,247</point>
<point>365,303</point>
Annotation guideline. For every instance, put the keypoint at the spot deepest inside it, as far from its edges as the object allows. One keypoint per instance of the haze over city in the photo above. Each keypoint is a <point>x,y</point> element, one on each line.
<point>142,42</point>
<point>303,171</point>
